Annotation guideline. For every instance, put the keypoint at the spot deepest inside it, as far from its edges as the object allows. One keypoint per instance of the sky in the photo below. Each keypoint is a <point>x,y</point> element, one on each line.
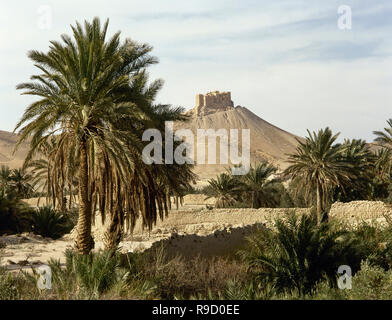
<point>285,60</point>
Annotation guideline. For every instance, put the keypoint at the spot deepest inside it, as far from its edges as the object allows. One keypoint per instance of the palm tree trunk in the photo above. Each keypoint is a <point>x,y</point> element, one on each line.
<point>114,233</point>
<point>70,196</point>
<point>318,204</point>
<point>84,241</point>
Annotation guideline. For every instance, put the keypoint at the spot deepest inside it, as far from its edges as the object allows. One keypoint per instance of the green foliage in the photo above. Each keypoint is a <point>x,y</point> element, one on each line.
<point>225,188</point>
<point>300,253</point>
<point>235,290</point>
<point>259,186</point>
<point>371,283</point>
<point>94,101</point>
<point>92,276</point>
<point>374,243</point>
<point>94,273</point>
<point>14,214</point>
<point>50,223</point>
<point>20,181</point>
<point>315,251</point>
<point>319,166</point>
<point>8,288</point>
<point>16,182</point>
<point>300,198</point>
<point>5,178</point>
<point>356,153</point>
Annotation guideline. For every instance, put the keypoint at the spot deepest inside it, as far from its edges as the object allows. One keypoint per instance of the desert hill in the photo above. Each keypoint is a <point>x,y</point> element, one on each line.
<point>8,141</point>
<point>216,111</point>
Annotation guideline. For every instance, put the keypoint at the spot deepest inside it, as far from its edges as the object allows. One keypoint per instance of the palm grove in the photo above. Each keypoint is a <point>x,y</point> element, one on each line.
<point>94,102</point>
<point>321,171</point>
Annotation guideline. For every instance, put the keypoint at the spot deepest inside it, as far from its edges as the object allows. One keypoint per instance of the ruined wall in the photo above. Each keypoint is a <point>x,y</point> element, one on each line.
<point>212,102</point>
<point>356,211</point>
<point>199,100</point>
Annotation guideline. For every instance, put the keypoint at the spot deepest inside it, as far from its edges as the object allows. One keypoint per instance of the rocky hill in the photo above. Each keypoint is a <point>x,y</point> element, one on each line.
<point>216,110</point>
<point>8,141</point>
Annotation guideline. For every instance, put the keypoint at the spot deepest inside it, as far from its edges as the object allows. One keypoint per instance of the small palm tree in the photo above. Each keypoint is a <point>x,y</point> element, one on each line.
<point>50,223</point>
<point>224,189</point>
<point>259,184</point>
<point>320,166</point>
<point>21,182</point>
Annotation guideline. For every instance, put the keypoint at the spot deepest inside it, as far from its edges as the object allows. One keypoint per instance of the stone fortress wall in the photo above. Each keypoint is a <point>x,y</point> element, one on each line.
<point>212,102</point>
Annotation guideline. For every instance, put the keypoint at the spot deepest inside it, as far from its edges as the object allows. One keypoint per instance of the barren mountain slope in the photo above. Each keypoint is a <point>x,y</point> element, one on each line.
<point>267,142</point>
<point>8,141</point>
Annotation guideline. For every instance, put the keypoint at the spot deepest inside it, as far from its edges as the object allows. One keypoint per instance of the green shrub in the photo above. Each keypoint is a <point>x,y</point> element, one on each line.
<point>50,223</point>
<point>298,253</point>
<point>8,288</point>
<point>95,273</point>
<point>375,243</point>
<point>14,215</point>
<point>94,276</point>
<point>371,283</point>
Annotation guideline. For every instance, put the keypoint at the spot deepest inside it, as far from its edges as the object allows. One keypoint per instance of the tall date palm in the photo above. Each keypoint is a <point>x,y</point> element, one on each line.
<point>88,89</point>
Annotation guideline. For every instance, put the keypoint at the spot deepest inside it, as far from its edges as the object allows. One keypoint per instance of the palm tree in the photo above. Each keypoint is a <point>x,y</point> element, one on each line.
<point>361,159</point>
<point>383,164</point>
<point>384,138</point>
<point>259,184</point>
<point>96,101</point>
<point>224,189</point>
<point>384,156</point>
<point>21,182</point>
<point>94,97</point>
<point>319,165</point>
<point>5,178</point>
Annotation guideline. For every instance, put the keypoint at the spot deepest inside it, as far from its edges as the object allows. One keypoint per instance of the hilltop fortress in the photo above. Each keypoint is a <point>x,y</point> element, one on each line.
<point>212,102</point>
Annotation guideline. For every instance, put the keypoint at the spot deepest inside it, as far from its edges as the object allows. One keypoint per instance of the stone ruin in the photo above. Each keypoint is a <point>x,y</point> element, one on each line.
<point>212,102</point>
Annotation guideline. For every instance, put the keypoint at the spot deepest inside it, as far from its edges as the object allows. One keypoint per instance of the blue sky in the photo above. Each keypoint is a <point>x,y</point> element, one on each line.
<point>285,60</point>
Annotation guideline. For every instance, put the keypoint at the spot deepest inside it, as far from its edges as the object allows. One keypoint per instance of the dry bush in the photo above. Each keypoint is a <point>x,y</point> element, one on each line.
<point>183,278</point>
